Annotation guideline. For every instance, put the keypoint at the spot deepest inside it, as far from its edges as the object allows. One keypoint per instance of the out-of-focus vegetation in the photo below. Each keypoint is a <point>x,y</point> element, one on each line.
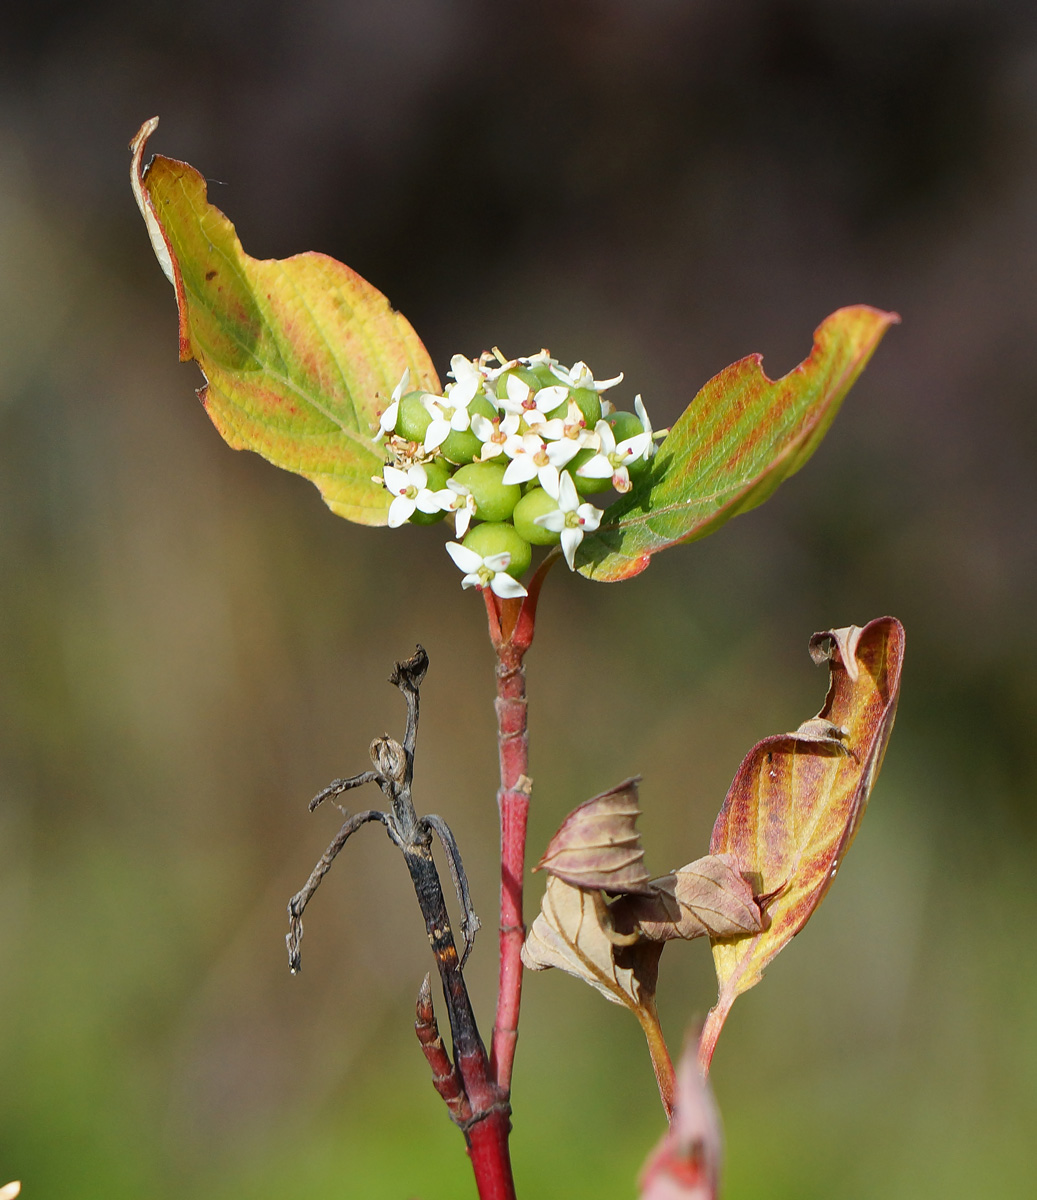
<point>191,645</point>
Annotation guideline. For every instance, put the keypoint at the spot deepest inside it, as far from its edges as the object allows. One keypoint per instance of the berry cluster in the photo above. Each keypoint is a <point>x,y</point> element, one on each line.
<point>514,445</point>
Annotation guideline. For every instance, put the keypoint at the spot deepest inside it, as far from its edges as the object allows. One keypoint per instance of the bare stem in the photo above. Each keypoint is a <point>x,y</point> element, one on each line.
<point>711,1028</point>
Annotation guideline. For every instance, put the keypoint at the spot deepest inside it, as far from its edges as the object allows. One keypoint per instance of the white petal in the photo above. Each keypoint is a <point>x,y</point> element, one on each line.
<point>387,423</point>
<point>639,408</point>
<point>428,502</point>
<point>462,519</point>
<point>520,469</point>
<point>436,434</point>
<point>606,437</point>
<point>402,386</point>
<point>590,516</point>
<point>634,447</point>
<point>568,497</point>
<point>498,562</point>
<point>547,477</point>
<point>395,479</point>
<point>571,538</point>
<point>597,467</point>
<point>472,580</point>
<point>416,476</point>
<point>550,397</point>
<point>555,521</point>
<point>482,427</point>
<point>507,588</point>
<point>559,453</point>
<point>400,511</point>
<point>465,558</point>
<point>518,391</point>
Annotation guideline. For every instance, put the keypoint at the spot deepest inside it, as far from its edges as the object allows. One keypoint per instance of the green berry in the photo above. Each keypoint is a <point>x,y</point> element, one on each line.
<point>624,425</point>
<point>461,445</point>
<point>535,503</point>
<point>495,500</point>
<point>586,485</point>
<point>498,538</point>
<point>412,417</point>
<point>590,405</point>
<point>544,376</point>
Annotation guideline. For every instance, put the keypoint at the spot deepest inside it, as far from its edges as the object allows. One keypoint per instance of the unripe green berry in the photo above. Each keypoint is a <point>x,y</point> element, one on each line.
<point>497,538</point>
<point>461,445</point>
<point>495,500</point>
<point>437,472</point>
<point>544,376</point>
<point>412,417</point>
<point>586,485</point>
<point>590,405</point>
<point>624,425</point>
<point>535,503</point>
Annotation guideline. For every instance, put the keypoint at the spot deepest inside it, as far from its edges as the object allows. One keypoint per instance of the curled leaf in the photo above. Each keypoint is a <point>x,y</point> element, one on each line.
<point>797,801</point>
<point>574,932</point>
<point>708,897</point>
<point>300,355</point>
<point>598,846</point>
<point>741,436</point>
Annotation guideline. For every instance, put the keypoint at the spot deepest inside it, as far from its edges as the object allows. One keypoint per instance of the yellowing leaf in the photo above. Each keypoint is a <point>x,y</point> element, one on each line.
<point>707,897</point>
<point>736,441</point>
<point>798,799</point>
<point>300,355</point>
<point>598,846</point>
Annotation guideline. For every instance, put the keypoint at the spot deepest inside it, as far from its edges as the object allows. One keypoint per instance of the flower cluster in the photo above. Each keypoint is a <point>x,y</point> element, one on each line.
<point>511,449</point>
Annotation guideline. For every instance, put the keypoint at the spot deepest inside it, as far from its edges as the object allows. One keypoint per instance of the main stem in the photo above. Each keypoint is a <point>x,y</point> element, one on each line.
<point>513,804</point>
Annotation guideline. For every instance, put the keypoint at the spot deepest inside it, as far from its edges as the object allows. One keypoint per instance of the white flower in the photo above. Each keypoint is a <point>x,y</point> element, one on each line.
<point>612,460</point>
<point>446,415</point>
<point>579,376</point>
<point>411,491</point>
<point>387,421</point>
<point>646,425</point>
<point>458,499</point>
<point>571,519</point>
<point>488,572</point>
<point>531,455</point>
<point>469,381</point>
<point>522,400</point>
<point>494,435</point>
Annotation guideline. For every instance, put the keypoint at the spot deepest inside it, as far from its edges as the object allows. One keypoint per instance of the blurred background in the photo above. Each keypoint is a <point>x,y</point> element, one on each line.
<point>191,645</point>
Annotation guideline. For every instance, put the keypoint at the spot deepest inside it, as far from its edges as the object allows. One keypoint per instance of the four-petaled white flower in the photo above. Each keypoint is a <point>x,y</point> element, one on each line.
<point>579,375</point>
<point>490,571</point>
<point>521,399</point>
<point>411,491</point>
<point>458,499</point>
<point>494,435</point>
<point>612,460</point>
<point>469,380</point>
<point>446,415</point>
<point>387,421</point>
<point>531,455</point>
<point>571,518</point>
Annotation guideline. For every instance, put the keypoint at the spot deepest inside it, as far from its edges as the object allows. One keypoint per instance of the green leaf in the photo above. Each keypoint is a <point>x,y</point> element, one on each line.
<point>300,355</point>
<point>737,440</point>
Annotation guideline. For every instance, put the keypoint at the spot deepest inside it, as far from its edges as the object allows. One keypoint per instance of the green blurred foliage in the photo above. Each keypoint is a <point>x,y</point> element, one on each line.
<point>191,645</point>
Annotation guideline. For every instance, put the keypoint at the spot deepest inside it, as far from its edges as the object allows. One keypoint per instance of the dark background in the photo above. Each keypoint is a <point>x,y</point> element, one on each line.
<point>191,644</point>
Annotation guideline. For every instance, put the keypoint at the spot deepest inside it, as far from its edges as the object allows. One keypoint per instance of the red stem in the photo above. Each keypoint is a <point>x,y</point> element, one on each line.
<point>512,624</point>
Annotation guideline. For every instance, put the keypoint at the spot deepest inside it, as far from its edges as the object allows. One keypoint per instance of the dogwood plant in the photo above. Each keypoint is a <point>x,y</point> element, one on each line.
<point>527,461</point>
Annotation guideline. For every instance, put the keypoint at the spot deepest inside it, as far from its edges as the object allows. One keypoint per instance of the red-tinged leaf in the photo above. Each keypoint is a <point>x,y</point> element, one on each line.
<point>300,355</point>
<point>737,440</point>
<point>598,846</point>
<point>686,1163</point>
<point>708,897</point>
<point>797,801</point>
